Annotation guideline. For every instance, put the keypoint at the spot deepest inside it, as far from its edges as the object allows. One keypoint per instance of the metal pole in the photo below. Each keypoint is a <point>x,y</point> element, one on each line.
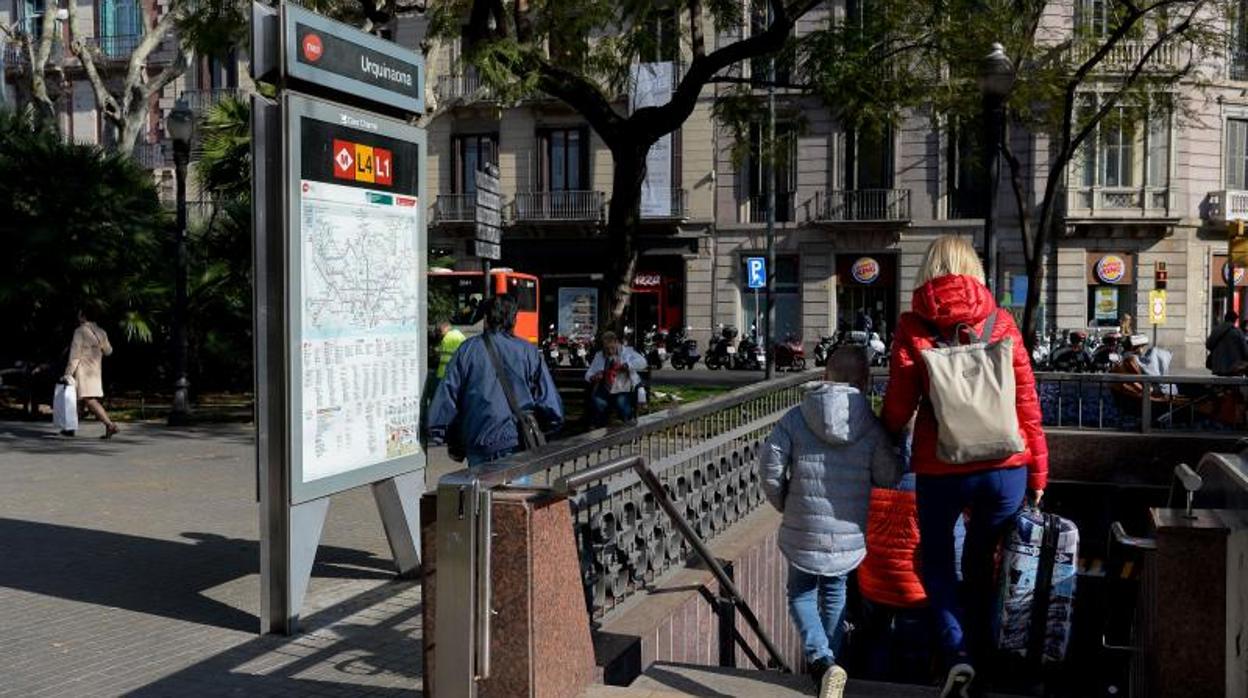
<point>993,115</point>
<point>771,210</point>
<point>180,413</point>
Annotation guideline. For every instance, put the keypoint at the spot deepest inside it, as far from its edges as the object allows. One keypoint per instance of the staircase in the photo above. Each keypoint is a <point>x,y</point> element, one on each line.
<point>667,680</point>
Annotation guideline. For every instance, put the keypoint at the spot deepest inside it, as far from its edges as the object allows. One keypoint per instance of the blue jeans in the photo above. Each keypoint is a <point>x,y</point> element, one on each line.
<point>993,498</point>
<point>817,604</point>
<point>602,402</point>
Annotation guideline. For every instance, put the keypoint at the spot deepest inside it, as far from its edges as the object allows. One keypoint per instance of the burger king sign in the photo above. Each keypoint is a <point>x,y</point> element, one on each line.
<point>865,270</point>
<point>1111,269</point>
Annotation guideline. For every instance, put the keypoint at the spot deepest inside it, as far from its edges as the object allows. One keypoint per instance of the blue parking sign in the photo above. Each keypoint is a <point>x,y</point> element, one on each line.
<point>756,270</point>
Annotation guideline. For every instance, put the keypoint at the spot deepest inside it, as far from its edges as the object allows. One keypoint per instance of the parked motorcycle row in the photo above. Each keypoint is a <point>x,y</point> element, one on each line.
<point>1084,351</point>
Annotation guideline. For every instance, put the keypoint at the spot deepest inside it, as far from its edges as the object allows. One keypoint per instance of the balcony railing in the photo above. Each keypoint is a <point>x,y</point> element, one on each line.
<point>1238,64</point>
<point>675,199</point>
<point>15,55</point>
<point>463,85</point>
<point>114,47</point>
<point>785,209</point>
<point>1228,205</point>
<point>153,156</point>
<point>861,205</point>
<point>1124,56</point>
<point>559,206</point>
<point>455,208</point>
<point>1119,202</point>
<point>200,101</point>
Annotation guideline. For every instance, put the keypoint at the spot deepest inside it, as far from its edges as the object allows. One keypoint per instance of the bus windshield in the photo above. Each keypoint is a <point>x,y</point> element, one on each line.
<point>462,293</point>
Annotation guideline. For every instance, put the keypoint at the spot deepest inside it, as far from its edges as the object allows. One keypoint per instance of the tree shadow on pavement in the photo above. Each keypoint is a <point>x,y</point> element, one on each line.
<point>369,644</point>
<point>43,438</point>
<point>149,575</point>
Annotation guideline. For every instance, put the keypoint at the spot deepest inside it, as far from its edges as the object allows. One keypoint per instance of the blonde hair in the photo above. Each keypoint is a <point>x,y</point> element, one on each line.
<point>947,255</point>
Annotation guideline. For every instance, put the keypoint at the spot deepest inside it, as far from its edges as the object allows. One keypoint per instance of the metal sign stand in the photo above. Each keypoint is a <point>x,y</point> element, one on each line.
<point>293,506</point>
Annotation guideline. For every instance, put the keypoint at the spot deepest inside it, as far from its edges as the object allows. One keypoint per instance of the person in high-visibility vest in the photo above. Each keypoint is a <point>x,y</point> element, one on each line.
<point>450,340</point>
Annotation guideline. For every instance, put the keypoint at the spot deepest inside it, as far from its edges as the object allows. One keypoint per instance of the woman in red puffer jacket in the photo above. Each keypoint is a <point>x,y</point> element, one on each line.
<point>950,293</point>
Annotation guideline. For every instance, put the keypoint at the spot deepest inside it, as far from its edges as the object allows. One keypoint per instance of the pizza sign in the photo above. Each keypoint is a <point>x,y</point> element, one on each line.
<point>362,163</point>
<point>865,270</point>
<point>1111,269</point>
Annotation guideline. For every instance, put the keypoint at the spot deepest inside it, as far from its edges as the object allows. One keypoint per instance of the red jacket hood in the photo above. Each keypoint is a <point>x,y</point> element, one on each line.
<point>948,301</point>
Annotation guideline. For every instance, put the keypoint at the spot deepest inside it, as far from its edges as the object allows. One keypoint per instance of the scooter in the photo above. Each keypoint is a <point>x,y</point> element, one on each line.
<point>877,351</point>
<point>684,350</point>
<point>578,349</point>
<point>656,347</point>
<point>1109,354</point>
<point>751,356</point>
<point>722,352</point>
<point>550,348</point>
<point>790,355</point>
<point>824,349</point>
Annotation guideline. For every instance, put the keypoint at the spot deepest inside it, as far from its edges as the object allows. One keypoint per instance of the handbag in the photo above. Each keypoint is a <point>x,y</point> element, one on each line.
<point>527,427</point>
<point>65,407</point>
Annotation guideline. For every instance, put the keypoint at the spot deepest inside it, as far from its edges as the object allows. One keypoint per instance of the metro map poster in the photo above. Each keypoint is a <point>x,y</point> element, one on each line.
<point>359,265</point>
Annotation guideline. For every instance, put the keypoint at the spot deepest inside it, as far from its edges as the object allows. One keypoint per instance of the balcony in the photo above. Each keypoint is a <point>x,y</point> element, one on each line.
<point>455,208</point>
<point>153,156</point>
<point>1124,56</point>
<point>1119,203</point>
<point>113,48</point>
<point>1238,65</point>
<point>785,208</point>
<point>465,85</point>
<point>1228,205</point>
<point>862,206</point>
<point>677,206</point>
<point>561,206</point>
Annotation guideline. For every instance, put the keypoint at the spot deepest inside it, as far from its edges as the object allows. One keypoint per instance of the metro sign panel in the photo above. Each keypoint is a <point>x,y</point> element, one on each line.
<point>362,163</point>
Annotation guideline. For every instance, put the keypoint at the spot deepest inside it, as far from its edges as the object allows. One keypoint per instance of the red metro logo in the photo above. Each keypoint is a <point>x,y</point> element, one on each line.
<point>362,163</point>
<point>313,49</point>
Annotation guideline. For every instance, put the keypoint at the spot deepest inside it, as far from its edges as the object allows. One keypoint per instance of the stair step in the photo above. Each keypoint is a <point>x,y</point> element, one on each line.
<point>664,680</point>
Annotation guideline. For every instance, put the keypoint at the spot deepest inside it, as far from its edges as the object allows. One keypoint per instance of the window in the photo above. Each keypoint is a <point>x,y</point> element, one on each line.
<point>564,157</point>
<point>966,170</point>
<point>1117,152</point>
<point>784,58</point>
<point>472,152</point>
<point>1130,149</point>
<point>787,315</point>
<point>463,292</point>
<point>1238,55</point>
<point>1236,154</point>
<point>120,24</point>
<point>869,159</point>
<point>524,291</point>
<point>666,46</point>
<point>786,172</point>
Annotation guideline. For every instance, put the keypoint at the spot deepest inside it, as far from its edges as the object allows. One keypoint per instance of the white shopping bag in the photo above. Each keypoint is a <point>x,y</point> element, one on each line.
<point>65,407</point>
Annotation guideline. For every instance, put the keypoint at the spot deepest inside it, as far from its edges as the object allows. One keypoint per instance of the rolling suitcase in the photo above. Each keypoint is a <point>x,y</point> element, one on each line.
<point>1037,587</point>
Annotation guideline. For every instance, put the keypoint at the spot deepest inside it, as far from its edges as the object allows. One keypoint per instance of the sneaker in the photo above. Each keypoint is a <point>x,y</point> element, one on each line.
<point>958,681</point>
<point>817,670</point>
<point>833,684</point>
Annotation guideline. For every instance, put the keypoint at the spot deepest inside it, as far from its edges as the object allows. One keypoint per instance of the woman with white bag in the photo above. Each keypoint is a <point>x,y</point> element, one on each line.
<point>85,370</point>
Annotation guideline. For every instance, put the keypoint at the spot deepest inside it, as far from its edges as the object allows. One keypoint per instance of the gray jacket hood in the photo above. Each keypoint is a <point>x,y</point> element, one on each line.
<point>835,412</point>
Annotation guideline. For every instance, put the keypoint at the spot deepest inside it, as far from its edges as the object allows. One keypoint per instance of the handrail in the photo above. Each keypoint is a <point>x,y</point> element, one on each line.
<point>1063,377</point>
<point>570,483</point>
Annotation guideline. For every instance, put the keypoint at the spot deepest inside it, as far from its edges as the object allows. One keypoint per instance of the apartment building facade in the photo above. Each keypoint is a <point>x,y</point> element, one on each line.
<point>855,211</point>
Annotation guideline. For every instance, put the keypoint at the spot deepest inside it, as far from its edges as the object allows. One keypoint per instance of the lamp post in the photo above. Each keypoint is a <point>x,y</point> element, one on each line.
<point>996,79</point>
<point>769,362</point>
<point>180,123</point>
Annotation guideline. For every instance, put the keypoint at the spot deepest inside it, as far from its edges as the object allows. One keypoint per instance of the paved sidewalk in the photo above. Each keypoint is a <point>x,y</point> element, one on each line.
<point>131,567</point>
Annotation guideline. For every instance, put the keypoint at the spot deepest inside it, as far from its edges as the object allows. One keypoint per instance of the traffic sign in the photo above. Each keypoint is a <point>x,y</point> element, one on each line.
<point>487,233</point>
<point>487,250</point>
<point>756,271</point>
<point>1157,307</point>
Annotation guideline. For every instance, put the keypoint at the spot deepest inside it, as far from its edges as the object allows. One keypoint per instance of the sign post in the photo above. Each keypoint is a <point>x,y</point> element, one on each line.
<point>1157,298</point>
<point>489,218</point>
<point>756,273</point>
<point>340,259</point>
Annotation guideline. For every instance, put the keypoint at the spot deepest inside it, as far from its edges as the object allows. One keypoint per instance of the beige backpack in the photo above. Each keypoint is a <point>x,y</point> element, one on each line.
<point>972,395</point>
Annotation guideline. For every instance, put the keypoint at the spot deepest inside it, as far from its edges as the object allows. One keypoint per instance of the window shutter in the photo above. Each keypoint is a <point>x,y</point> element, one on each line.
<point>1236,133</point>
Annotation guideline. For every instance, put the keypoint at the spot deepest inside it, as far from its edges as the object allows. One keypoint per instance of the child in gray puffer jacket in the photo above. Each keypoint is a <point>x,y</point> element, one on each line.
<point>818,467</point>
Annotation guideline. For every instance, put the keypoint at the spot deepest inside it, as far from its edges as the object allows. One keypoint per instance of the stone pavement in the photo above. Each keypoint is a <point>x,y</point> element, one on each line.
<point>131,567</point>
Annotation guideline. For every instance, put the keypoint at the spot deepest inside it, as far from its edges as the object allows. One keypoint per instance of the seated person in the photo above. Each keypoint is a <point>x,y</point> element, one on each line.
<point>613,377</point>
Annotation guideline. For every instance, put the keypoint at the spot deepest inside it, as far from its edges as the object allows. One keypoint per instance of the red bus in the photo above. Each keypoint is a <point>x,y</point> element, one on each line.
<point>466,290</point>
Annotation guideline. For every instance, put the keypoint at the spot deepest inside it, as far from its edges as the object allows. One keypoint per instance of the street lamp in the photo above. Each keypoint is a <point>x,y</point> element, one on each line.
<point>996,79</point>
<point>180,123</point>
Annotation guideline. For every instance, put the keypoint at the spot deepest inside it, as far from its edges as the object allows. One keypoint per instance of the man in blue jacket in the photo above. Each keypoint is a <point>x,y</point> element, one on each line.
<point>472,394</point>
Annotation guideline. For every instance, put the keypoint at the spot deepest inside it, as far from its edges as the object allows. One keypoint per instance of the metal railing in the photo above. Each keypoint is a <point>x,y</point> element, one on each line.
<point>117,47</point>
<point>465,84</point>
<point>559,206</point>
<point>153,156</point>
<point>202,100</point>
<point>455,208</point>
<point>703,457</point>
<point>1115,202</point>
<point>677,206</point>
<point>1122,402</point>
<point>1125,55</point>
<point>1228,205</point>
<point>1237,68</point>
<point>859,205</point>
<point>785,208</point>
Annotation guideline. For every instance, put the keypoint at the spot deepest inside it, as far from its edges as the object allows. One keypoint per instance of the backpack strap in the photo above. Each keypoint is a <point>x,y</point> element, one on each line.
<point>989,325</point>
<point>984,336</point>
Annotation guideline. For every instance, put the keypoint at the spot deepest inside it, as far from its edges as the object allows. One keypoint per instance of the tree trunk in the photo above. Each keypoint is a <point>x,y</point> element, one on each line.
<point>131,128</point>
<point>623,217</point>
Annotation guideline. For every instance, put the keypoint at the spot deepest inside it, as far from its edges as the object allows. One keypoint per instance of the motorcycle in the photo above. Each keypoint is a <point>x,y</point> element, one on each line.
<point>578,348</point>
<point>751,356</point>
<point>790,355</point>
<point>877,351</point>
<point>550,348</point>
<point>1109,353</point>
<point>1041,355</point>
<point>684,350</point>
<point>824,349</point>
<point>655,344</point>
<point>1073,355</point>
<point>721,352</point>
